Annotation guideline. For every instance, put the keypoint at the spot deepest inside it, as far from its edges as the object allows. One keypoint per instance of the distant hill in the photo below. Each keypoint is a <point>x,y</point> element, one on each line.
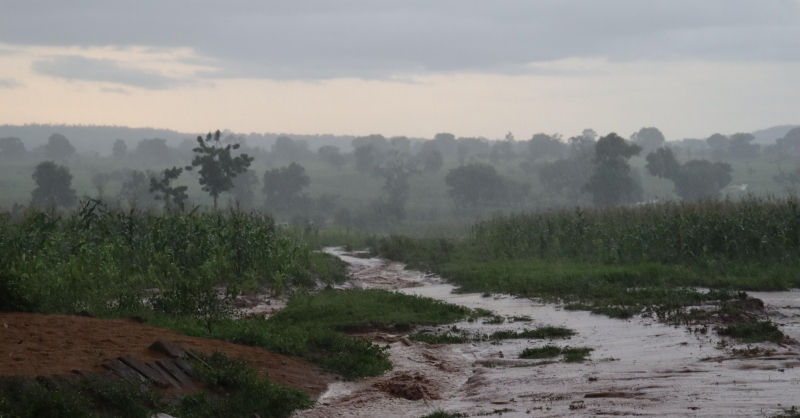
<point>89,139</point>
<point>769,135</point>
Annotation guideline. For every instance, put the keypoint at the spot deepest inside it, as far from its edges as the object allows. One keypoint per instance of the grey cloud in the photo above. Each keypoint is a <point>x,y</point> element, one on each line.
<point>320,39</point>
<point>73,67</point>
<point>9,83</point>
<point>115,90</point>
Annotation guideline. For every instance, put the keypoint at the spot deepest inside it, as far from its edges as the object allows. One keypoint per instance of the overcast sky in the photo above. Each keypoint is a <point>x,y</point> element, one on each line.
<point>473,68</point>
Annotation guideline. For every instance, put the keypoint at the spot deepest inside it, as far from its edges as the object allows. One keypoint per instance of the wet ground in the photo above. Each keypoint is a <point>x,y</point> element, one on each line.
<point>639,367</point>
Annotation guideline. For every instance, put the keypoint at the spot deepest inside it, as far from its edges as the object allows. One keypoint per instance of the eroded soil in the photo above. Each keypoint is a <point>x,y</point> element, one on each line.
<point>44,345</point>
<point>638,367</point>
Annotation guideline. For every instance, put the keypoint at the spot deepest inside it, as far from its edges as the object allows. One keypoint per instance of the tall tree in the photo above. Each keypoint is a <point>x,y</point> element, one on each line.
<point>58,147</point>
<point>282,187</point>
<point>611,183</point>
<point>53,186</point>
<point>695,180</point>
<point>173,196</point>
<point>217,166</point>
<point>648,138</point>
<point>741,146</point>
<point>474,185</point>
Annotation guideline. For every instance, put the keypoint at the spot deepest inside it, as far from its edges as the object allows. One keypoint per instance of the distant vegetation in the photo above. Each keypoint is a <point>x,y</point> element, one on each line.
<point>394,184</point>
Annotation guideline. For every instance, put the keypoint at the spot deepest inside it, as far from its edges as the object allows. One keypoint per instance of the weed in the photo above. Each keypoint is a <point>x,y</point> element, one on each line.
<point>547,351</point>
<point>576,354</point>
<point>538,333</point>
<point>753,331</point>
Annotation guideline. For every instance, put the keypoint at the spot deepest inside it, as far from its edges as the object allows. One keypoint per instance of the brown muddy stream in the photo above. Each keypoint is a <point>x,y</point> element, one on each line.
<point>639,367</point>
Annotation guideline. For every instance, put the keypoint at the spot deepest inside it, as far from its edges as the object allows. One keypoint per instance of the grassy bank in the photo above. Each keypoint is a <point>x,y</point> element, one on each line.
<point>183,271</point>
<point>623,261</point>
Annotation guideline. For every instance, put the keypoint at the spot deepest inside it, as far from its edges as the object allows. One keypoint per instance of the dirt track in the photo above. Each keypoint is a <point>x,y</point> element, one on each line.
<point>639,367</point>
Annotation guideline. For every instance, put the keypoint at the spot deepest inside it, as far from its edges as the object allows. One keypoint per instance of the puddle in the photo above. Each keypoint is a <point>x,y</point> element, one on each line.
<point>638,366</point>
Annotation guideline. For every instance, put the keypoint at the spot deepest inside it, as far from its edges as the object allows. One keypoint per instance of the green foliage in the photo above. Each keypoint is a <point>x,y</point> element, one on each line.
<point>611,184</point>
<point>366,310</point>
<point>282,187</point>
<point>240,393</point>
<point>97,255</point>
<point>695,180</point>
<point>474,185</point>
<point>218,167</point>
<point>53,186</point>
<point>576,354</point>
<point>11,298</point>
<point>173,196</point>
<point>547,351</point>
<point>25,398</point>
<point>753,331</point>
<point>58,147</point>
<point>538,333</point>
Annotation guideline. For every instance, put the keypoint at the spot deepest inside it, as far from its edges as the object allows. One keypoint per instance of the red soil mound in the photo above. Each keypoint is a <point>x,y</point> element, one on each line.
<point>43,345</point>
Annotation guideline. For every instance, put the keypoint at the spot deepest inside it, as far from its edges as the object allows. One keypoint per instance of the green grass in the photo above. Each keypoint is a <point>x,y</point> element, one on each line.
<point>576,354</point>
<point>548,351</point>
<point>623,262</point>
<point>312,326</point>
<point>538,333</point>
<point>753,331</point>
<point>367,310</point>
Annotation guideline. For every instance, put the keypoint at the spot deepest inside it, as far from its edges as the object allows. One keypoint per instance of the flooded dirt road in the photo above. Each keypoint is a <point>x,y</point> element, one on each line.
<point>638,367</point>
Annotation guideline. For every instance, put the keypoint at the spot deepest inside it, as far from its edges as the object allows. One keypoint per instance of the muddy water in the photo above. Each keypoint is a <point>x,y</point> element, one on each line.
<point>638,367</point>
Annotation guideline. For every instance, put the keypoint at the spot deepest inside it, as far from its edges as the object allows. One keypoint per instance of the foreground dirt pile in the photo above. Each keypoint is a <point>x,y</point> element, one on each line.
<point>44,345</point>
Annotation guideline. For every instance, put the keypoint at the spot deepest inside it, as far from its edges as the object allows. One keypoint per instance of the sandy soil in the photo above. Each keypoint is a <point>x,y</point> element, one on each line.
<point>638,367</point>
<point>34,344</point>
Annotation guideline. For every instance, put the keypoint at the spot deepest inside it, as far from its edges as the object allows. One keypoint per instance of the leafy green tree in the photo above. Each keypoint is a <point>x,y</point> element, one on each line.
<point>474,185</point>
<point>173,196</point>
<point>283,187</point>
<point>53,186</point>
<point>288,149</point>
<point>649,139</point>
<point>218,167</point>
<point>695,180</point>
<point>58,147</point>
<point>11,148</point>
<point>611,182</point>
